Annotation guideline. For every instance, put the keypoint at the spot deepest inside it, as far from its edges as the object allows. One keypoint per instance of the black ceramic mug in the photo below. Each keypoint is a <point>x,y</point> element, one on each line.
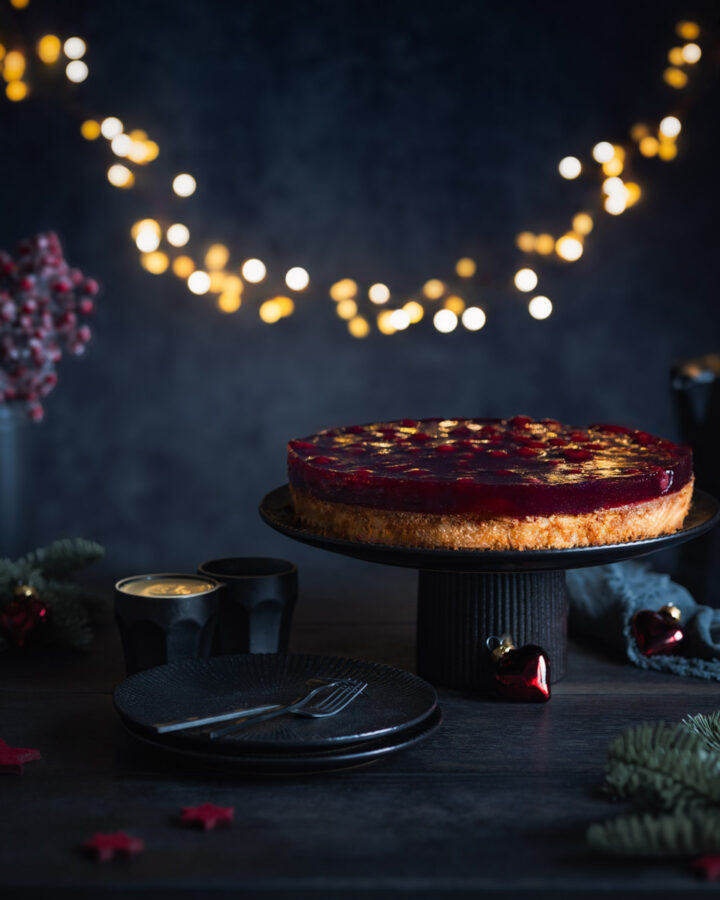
<point>166,618</point>
<point>256,604</point>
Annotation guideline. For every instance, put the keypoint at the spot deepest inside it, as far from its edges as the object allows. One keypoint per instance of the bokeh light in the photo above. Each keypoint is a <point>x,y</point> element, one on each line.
<point>540,307</point>
<point>120,145</point>
<point>48,48</point>
<point>199,282</point>
<point>649,146</point>
<point>473,318</point>
<point>297,278</point>
<point>670,127</point>
<point>454,303</point>
<point>667,150</point>
<point>74,48</point>
<point>466,267</point>
<point>270,311</point>
<point>675,77</point>
<point>582,223</point>
<point>183,266</point>
<point>433,289</point>
<point>111,127</point>
<point>20,4</point>
<point>544,244</point>
<point>178,235</point>
<point>632,193</point>
<point>147,235</point>
<point>379,293</point>
<point>691,53</point>
<point>16,91</point>
<point>359,327</point>
<point>525,241</point>
<point>156,262</point>
<point>616,203</point>
<point>286,305</point>
<point>613,186</point>
<point>90,130</point>
<point>229,301</point>
<point>346,309</point>
<point>569,248</point>
<point>603,152</point>
<point>570,167</point>
<point>253,270</point>
<point>184,185</point>
<point>384,324</point>
<point>639,131</point>
<point>217,256</point>
<point>445,321</point>
<point>613,167</point>
<point>120,176</point>
<point>76,71</point>
<point>415,311</point>
<point>14,67</point>
<point>343,289</point>
<point>688,31</point>
<point>525,280</point>
<point>399,319</point>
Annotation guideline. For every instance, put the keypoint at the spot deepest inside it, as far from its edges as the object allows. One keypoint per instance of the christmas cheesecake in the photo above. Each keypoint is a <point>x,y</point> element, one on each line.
<point>490,484</point>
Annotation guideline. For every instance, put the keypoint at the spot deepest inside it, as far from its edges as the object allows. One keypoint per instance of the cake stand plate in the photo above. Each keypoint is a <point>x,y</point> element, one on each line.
<point>466,595</point>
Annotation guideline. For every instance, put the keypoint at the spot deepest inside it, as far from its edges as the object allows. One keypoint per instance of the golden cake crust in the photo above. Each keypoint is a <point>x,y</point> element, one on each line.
<point>620,524</point>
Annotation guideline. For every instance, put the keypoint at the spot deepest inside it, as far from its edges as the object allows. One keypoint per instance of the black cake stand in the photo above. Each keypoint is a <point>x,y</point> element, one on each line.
<point>466,595</point>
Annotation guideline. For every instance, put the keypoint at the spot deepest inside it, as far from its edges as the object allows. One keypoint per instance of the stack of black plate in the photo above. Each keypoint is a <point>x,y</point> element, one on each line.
<point>396,710</point>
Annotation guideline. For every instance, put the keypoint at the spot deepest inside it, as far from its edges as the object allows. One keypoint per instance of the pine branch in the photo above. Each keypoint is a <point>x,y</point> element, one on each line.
<point>666,835</point>
<point>663,766</point>
<point>707,728</point>
<point>63,557</point>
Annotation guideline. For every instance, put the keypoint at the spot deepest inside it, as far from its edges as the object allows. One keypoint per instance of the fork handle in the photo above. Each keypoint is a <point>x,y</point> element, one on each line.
<point>196,721</point>
<point>262,717</point>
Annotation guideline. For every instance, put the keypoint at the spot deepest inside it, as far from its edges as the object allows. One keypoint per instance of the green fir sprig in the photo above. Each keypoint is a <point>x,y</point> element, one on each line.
<point>47,570</point>
<point>672,774</point>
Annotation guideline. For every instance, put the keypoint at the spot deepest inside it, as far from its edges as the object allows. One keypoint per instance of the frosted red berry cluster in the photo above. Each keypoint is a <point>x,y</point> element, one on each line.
<point>43,307</point>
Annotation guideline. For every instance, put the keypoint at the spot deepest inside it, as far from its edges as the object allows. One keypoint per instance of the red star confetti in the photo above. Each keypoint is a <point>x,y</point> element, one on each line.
<point>12,759</point>
<point>707,867</point>
<point>107,846</point>
<point>207,816</point>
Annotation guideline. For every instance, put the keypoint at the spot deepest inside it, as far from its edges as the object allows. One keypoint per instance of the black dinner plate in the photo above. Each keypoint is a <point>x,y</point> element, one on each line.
<point>344,757</point>
<point>277,511</point>
<point>392,702</point>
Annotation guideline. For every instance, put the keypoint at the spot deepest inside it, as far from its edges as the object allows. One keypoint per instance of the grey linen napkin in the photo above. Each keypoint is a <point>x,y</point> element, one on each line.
<point>604,598</point>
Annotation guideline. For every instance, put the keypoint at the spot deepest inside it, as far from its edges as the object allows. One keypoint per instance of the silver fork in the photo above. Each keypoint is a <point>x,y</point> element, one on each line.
<point>326,700</point>
<point>195,722</point>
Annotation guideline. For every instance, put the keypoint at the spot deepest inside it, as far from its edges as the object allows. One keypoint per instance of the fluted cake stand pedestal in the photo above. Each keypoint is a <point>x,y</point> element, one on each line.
<point>464,596</point>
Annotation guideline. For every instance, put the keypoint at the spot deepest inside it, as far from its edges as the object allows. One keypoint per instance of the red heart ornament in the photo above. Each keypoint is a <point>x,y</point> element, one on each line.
<point>523,673</point>
<point>20,618</point>
<point>655,632</point>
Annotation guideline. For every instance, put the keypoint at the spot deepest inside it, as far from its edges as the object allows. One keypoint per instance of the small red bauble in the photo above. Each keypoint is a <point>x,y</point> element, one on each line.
<point>207,816</point>
<point>520,673</point>
<point>21,616</point>
<point>107,846</point>
<point>707,867</point>
<point>12,759</point>
<point>657,632</point>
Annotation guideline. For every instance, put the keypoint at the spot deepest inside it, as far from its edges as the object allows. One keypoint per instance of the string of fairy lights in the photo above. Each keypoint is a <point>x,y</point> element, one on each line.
<point>168,247</point>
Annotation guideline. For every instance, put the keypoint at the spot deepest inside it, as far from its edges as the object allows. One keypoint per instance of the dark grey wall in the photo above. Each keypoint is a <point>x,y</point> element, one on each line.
<point>378,140</point>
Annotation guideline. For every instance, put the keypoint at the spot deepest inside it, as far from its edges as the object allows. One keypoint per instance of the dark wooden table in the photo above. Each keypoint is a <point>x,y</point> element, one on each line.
<point>495,804</point>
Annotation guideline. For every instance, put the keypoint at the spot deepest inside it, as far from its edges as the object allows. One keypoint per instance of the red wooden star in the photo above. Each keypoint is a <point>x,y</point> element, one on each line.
<point>107,846</point>
<point>207,816</point>
<point>13,758</point>
<point>707,867</point>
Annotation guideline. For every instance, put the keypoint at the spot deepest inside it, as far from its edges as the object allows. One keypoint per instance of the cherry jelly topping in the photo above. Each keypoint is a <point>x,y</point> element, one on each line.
<point>517,467</point>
